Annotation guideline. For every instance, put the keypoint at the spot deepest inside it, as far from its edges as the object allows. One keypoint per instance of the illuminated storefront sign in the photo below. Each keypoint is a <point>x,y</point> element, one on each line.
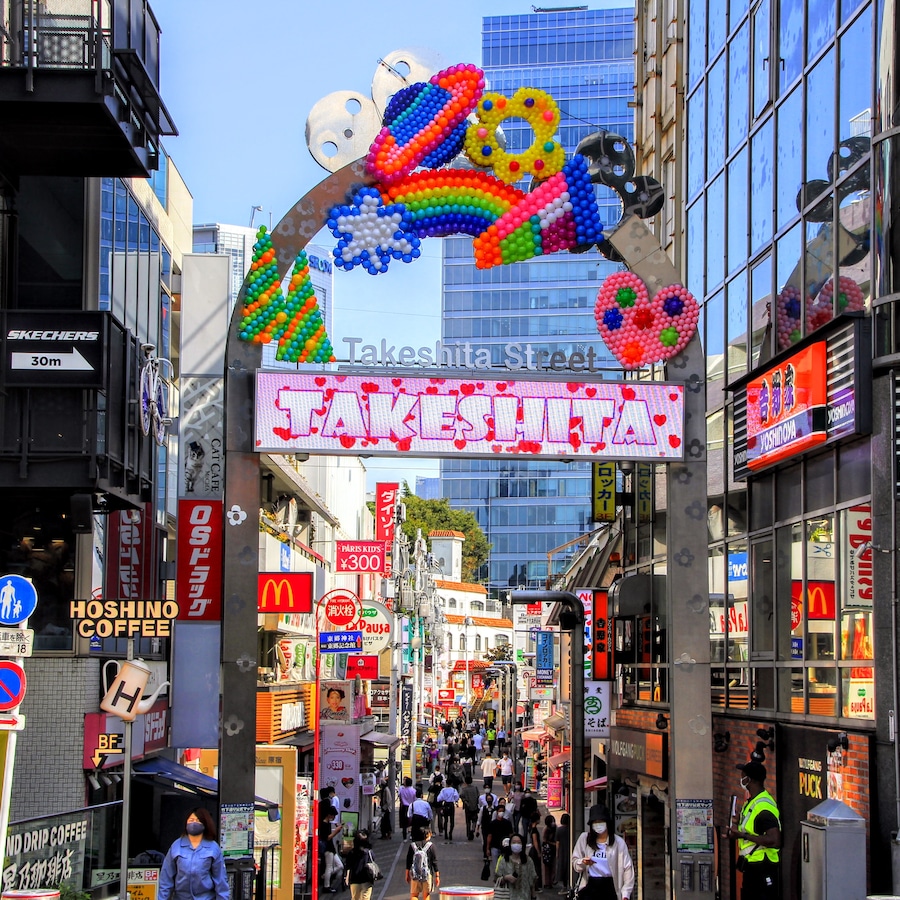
<point>786,412</point>
<point>285,592</point>
<point>603,492</point>
<point>199,560</point>
<point>477,417</point>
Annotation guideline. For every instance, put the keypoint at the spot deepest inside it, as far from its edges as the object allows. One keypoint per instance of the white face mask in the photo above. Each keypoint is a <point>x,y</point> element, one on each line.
<point>599,827</point>
<point>516,848</point>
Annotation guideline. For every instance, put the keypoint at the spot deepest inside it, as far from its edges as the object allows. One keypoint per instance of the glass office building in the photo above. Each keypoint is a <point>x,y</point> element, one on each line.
<point>791,211</point>
<point>584,59</point>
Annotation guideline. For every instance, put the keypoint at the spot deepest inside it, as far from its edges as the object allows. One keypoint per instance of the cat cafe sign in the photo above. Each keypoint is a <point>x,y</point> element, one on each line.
<point>481,416</point>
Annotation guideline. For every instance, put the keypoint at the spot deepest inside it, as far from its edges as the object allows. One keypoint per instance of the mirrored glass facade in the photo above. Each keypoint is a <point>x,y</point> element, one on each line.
<point>783,211</point>
<point>584,59</point>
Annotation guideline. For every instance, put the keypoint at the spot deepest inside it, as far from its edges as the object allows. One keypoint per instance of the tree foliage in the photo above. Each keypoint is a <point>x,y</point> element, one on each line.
<point>437,515</point>
<point>503,652</point>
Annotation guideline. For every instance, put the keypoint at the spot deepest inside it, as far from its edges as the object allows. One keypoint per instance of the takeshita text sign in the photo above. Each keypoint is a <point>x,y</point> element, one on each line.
<point>477,417</point>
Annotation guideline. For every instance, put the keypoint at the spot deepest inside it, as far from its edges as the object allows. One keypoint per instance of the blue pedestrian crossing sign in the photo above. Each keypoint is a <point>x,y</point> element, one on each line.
<point>18,599</point>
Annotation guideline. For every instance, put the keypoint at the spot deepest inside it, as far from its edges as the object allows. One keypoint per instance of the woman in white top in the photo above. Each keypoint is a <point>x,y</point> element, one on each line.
<point>602,859</point>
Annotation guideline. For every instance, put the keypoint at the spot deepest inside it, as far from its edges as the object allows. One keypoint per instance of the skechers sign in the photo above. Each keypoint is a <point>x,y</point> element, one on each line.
<point>786,408</point>
<point>394,415</point>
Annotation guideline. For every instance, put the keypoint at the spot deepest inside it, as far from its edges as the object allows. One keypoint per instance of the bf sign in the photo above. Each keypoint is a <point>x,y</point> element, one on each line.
<point>285,592</point>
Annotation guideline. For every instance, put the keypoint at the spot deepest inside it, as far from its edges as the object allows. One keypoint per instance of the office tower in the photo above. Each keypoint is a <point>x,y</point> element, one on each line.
<point>584,59</point>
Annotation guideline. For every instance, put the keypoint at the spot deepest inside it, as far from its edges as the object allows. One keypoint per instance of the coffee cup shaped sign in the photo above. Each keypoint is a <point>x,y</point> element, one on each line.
<point>123,699</point>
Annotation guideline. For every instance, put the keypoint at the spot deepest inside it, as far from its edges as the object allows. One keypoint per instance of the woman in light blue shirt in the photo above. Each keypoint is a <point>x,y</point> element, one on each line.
<point>194,867</point>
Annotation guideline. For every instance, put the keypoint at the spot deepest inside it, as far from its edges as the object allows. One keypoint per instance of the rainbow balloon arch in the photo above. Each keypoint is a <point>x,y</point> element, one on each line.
<point>428,168</point>
<point>425,175</point>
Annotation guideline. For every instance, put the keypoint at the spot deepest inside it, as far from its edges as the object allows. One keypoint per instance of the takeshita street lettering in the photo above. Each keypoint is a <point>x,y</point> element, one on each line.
<point>335,413</point>
<point>413,193</point>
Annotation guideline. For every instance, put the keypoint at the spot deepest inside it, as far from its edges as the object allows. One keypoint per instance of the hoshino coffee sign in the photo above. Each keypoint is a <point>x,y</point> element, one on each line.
<point>479,416</point>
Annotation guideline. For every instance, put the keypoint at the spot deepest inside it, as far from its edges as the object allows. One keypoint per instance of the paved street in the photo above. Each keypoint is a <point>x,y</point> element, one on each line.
<point>459,863</point>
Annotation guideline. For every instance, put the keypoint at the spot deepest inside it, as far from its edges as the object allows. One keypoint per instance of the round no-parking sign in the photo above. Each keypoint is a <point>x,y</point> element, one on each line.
<point>12,684</point>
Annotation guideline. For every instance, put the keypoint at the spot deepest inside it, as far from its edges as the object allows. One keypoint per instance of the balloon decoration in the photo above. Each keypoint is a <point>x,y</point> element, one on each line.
<point>425,124</point>
<point>543,158</point>
<point>296,321</point>
<point>370,234</point>
<point>640,331</point>
<point>452,201</point>
<point>787,316</point>
<point>820,308</point>
<point>559,214</point>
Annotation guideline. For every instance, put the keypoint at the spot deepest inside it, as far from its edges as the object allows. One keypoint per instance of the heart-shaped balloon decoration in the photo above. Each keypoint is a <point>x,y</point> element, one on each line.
<point>822,308</point>
<point>640,331</point>
<point>425,123</point>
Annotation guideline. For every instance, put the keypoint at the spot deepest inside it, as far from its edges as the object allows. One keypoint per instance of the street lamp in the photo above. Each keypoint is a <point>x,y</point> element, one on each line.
<point>571,619</point>
<point>468,692</point>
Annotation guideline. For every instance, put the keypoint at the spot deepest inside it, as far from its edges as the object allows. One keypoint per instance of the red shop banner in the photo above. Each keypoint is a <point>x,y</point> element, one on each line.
<point>130,555</point>
<point>360,556</point>
<point>385,501</point>
<point>198,573</point>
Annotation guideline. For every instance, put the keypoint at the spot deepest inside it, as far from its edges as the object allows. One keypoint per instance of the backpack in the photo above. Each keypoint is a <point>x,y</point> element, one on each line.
<point>420,870</point>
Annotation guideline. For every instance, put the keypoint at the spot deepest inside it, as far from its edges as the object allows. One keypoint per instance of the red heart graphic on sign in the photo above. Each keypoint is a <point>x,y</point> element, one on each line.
<point>346,441</point>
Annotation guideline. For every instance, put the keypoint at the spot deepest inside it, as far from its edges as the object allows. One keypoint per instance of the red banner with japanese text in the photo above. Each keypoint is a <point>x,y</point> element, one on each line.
<point>198,573</point>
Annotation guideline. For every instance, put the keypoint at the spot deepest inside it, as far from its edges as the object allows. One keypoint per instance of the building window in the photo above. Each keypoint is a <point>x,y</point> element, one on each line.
<point>450,642</point>
<point>502,640</point>
<point>451,603</point>
<point>476,606</point>
<point>462,643</point>
<point>477,642</point>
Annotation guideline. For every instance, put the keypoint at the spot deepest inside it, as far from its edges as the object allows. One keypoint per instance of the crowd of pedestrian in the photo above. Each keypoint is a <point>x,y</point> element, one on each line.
<point>523,852</point>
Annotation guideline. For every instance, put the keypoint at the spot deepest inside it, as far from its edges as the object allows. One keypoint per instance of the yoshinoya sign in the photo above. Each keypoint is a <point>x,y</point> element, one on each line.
<point>786,408</point>
<point>479,416</point>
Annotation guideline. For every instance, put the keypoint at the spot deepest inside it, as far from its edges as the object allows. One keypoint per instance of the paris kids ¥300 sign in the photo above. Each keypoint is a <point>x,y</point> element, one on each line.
<point>390,415</point>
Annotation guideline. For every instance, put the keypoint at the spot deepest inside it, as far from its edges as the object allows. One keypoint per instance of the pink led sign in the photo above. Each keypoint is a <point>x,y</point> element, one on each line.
<point>397,415</point>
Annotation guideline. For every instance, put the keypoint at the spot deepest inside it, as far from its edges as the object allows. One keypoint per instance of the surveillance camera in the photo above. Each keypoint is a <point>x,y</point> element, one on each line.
<point>862,549</point>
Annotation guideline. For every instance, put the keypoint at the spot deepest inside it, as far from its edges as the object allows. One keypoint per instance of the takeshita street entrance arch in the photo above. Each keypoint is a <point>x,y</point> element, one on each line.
<point>444,412</point>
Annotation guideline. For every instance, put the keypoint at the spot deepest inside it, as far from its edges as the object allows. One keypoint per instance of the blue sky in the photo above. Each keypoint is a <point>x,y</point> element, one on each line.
<point>239,78</point>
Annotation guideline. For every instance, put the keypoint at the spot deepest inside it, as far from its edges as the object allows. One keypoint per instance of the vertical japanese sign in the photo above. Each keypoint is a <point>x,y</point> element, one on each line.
<point>198,584</point>
<point>643,493</point>
<point>339,754</point>
<point>302,828</point>
<point>587,601</point>
<point>406,714</point>
<point>129,554</point>
<point>603,491</point>
<point>596,709</point>
<point>386,494</point>
<point>602,649</point>
<point>543,657</point>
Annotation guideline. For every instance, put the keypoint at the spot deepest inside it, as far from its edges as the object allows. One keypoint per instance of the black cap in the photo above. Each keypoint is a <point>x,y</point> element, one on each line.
<point>598,813</point>
<point>753,770</point>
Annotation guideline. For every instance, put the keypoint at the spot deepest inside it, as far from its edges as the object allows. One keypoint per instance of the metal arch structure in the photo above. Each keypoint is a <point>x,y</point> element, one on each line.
<point>687,591</point>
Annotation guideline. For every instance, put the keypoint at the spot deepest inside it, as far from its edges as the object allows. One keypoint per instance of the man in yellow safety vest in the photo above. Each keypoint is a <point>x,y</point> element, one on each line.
<point>758,836</point>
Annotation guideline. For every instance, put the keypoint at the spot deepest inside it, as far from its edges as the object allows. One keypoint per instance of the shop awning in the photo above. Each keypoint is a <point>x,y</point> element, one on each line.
<point>534,734</point>
<point>559,758</point>
<point>183,778</point>
<point>381,739</point>
<point>596,785</point>
<point>302,740</point>
<point>554,721</point>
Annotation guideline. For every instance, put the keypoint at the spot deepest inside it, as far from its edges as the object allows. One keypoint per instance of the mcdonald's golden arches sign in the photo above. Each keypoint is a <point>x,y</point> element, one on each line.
<point>285,592</point>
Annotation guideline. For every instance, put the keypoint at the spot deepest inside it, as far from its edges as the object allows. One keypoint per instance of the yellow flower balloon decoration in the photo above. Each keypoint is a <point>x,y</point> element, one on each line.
<point>545,157</point>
